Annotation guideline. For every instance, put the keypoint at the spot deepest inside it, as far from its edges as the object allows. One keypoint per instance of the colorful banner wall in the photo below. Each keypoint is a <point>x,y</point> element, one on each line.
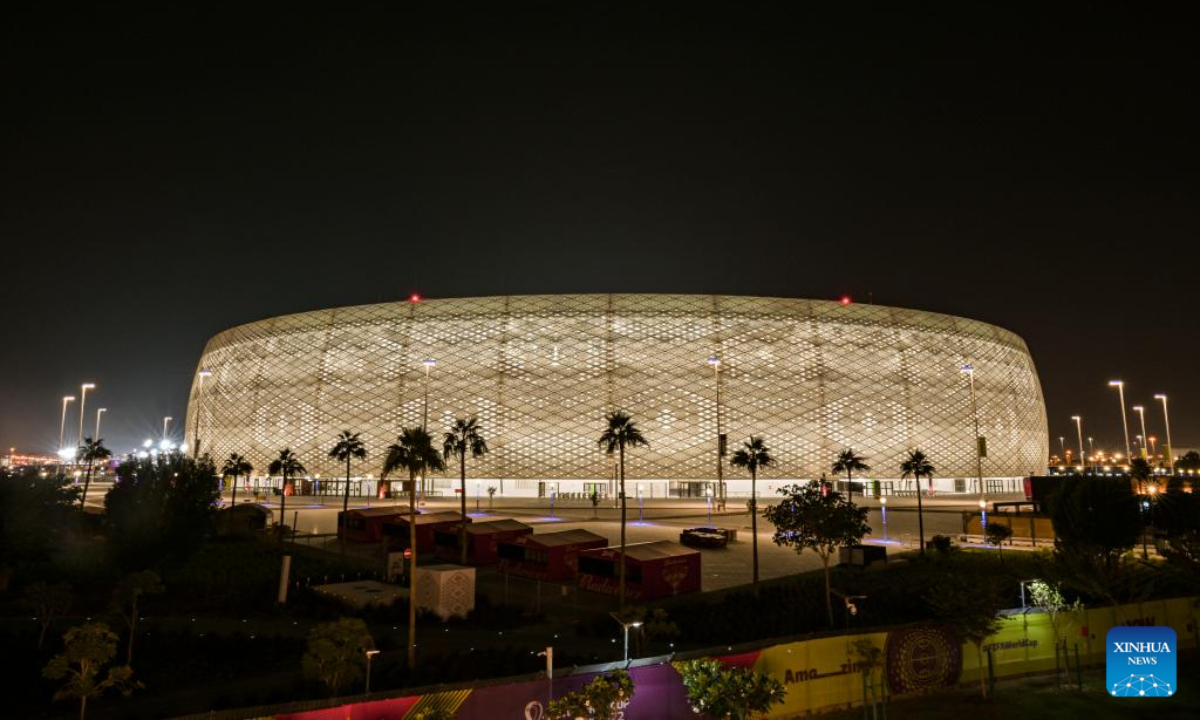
<point>821,674</point>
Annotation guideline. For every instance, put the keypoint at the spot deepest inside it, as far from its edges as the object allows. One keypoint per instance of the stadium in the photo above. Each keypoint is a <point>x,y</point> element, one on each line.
<point>541,372</point>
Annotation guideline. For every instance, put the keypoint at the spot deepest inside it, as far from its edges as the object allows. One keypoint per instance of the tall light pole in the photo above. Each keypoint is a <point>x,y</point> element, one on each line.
<point>626,626</point>
<point>1062,448</point>
<point>83,401</point>
<point>99,412</point>
<point>166,424</point>
<point>1168,453</point>
<point>199,403</point>
<point>428,364</point>
<point>1141,411</point>
<point>62,426</point>
<point>969,370</point>
<point>370,654</point>
<point>1079,429</point>
<point>715,363</point>
<point>1120,386</point>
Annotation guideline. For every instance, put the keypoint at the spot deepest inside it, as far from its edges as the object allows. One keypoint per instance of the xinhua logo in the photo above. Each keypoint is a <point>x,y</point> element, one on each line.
<point>1141,661</point>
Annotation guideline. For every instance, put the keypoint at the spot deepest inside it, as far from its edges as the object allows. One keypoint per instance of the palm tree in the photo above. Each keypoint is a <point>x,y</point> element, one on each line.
<point>752,456</point>
<point>287,465</point>
<point>349,447</point>
<point>917,465</point>
<point>415,453</point>
<point>236,466</point>
<point>463,437</point>
<point>90,451</point>
<point>620,434</point>
<point>850,462</point>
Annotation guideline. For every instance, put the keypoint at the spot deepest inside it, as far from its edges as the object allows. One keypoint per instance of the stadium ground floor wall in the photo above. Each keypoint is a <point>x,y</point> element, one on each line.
<point>575,489</point>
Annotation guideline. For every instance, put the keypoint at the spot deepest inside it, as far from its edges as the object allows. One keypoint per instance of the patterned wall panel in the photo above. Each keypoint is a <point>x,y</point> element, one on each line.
<point>541,372</point>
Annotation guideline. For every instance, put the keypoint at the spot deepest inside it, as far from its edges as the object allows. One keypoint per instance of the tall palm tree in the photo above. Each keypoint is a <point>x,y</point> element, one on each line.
<point>236,466</point>
<point>413,452</point>
<point>917,465</point>
<point>287,465</point>
<point>850,462</point>
<point>90,451</point>
<point>349,447</point>
<point>462,438</point>
<point>752,456</point>
<point>621,433</point>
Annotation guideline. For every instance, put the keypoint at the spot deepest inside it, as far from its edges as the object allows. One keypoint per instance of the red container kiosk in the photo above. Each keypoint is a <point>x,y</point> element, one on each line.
<point>483,539</point>
<point>366,524</point>
<point>396,529</point>
<point>652,570</point>
<point>547,556</point>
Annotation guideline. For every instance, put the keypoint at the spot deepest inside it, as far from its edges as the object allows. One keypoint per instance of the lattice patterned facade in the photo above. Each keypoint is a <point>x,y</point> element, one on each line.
<point>541,372</point>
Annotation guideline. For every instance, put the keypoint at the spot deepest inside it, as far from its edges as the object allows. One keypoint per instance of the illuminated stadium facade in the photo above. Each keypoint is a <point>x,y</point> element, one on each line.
<point>541,372</point>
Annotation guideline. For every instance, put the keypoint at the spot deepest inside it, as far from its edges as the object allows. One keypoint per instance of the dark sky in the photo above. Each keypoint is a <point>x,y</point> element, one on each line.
<point>165,176</point>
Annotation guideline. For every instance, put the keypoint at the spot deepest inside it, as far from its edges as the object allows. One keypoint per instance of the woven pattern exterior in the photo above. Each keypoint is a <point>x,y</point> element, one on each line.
<point>541,372</point>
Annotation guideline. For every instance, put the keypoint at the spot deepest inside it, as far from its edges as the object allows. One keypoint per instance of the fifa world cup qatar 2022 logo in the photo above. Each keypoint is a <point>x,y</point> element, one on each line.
<point>1140,661</point>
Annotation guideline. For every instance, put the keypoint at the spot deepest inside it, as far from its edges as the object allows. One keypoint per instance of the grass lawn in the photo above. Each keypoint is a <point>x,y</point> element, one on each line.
<point>1032,698</point>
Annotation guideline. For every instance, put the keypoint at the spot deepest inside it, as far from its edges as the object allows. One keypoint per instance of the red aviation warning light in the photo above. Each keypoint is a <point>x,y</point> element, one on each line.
<point>845,300</point>
<point>414,298</point>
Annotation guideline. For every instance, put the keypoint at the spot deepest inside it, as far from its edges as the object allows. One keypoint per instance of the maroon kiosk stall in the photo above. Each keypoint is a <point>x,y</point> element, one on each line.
<point>652,570</point>
<point>396,529</point>
<point>483,539</point>
<point>366,524</point>
<point>547,556</point>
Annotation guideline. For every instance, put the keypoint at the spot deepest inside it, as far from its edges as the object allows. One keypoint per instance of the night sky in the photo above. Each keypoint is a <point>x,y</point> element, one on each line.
<point>166,176</point>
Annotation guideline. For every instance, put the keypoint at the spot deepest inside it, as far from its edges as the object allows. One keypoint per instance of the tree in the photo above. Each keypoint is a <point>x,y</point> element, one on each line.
<point>1189,461</point>
<point>125,600</point>
<point>850,462</point>
<point>491,496</point>
<point>45,602</point>
<point>1178,517</point>
<point>621,433</point>
<point>917,465</point>
<point>809,518</point>
<point>38,516</point>
<point>1096,521</point>
<point>997,534</point>
<point>601,699</point>
<point>462,438</point>
<point>413,452</point>
<point>90,451</point>
<point>1050,599</point>
<point>971,605</point>
<point>1141,471</point>
<point>753,455</point>
<point>160,509</point>
<point>235,467</point>
<point>289,466</point>
<point>88,649</point>
<point>349,447</point>
<point>336,654</point>
<point>728,693</point>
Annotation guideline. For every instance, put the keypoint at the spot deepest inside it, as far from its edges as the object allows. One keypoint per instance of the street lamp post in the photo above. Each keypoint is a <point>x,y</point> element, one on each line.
<point>199,404</point>
<point>1062,448</point>
<point>626,626</point>
<point>99,412</point>
<point>1168,451</point>
<point>969,370</point>
<point>1079,429</point>
<point>428,364</point>
<point>1141,411</point>
<point>83,401</point>
<point>715,363</point>
<point>1120,386</point>
<point>62,426</point>
<point>166,424</point>
<point>370,654</point>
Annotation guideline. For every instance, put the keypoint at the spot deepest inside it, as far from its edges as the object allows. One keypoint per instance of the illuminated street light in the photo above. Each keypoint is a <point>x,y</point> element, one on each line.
<point>1141,411</point>
<point>1120,386</point>
<point>370,654</point>
<point>99,412</point>
<point>166,424</point>
<point>1079,429</point>
<point>715,363</point>
<point>626,626</point>
<point>62,427</point>
<point>1168,451</point>
<point>83,401</point>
